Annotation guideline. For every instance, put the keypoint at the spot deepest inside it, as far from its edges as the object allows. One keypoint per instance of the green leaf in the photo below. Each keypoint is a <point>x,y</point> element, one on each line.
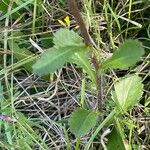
<point>66,37</point>
<point>81,59</point>
<point>115,141</point>
<point>54,59</point>
<point>128,91</point>
<point>126,56</point>
<point>81,121</point>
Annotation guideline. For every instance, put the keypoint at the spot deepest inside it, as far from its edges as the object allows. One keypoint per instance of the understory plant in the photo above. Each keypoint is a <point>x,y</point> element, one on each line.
<point>117,123</point>
<point>70,48</point>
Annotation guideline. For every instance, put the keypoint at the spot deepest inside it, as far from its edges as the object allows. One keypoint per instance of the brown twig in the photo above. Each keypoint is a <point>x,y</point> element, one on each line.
<point>76,13</point>
<point>88,40</point>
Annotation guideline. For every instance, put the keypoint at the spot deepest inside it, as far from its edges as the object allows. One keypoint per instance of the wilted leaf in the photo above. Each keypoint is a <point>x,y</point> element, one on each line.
<point>54,58</point>
<point>127,92</point>
<point>81,121</point>
<point>126,56</point>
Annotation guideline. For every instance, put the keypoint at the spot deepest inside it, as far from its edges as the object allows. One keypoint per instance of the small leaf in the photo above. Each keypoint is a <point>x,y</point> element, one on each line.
<point>66,37</point>
<point>81,121</point>
<point>126,56</point>
<point>81,59</point>
<point>53,59</point>
<point>127,92</point>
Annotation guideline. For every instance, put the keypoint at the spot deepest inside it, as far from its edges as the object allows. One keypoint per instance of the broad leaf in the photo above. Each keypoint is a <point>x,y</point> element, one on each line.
<point>81,121</point>
<point>81,59</point>
<point>66,37</point>
<point>126,56</point>
<point>127,92</point>
<point>54,58</point>
<point>115,141</point>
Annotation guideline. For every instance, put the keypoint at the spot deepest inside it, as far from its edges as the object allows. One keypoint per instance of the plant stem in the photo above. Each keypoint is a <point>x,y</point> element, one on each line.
<point>82,93</point>
<point>67,139</point>
<point>99,93</point>
<point>108,118</point>
<point>34,17</point>
<point>96,65</point>
<point>76,13</point>
<point>77,143</point>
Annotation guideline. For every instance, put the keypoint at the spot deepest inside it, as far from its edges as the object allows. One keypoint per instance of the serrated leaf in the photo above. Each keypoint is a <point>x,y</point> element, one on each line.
<point>128,91</point>
<point>54,59</point>
<point>82,60</point>
<point>81,121</point>
<point>66,37</point>
<point>126,56</point>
